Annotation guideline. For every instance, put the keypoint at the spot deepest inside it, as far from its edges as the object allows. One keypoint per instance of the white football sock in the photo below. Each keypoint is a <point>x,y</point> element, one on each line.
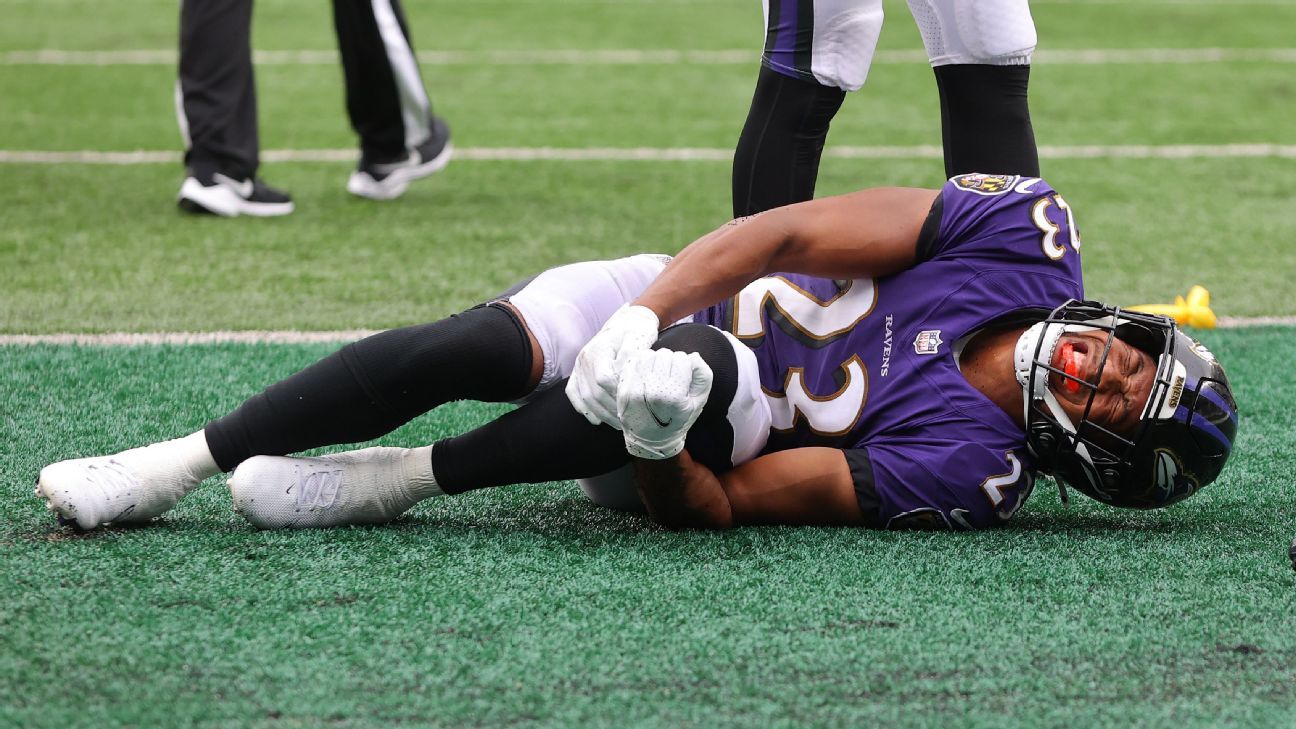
<point>421,482</point>
<point>193,453</point>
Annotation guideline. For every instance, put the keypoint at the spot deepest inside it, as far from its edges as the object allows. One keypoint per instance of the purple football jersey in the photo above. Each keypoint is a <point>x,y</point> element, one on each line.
<point>870,364</point>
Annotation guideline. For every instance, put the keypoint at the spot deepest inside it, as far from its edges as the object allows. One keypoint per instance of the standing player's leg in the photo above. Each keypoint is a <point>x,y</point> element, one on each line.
<point>814,53</point>
<point>400,139</point>
<point>980,51</point>
<point>216,110</point>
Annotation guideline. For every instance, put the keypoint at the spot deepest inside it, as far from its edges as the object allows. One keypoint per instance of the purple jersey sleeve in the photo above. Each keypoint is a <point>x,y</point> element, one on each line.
<point>943,484</point>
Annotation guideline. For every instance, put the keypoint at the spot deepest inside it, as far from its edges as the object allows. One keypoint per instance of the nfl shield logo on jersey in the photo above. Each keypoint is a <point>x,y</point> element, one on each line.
<point>928,341</point>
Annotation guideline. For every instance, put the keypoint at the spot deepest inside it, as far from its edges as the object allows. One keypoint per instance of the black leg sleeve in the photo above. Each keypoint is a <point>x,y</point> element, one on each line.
<point>776,161</point>
<point>544,440</point>
<point>218,95</point>
<point>547,440</point>
<point>384,90</point>
<point>985,120</point>
<point>373,386</point>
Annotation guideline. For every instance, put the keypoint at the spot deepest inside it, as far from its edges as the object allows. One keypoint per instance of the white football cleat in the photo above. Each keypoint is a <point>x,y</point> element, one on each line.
<point>368,486</point>
<point>131,487</point>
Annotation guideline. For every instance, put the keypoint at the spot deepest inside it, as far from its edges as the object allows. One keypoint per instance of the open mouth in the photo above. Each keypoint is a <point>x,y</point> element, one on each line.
<point>1070,357</point>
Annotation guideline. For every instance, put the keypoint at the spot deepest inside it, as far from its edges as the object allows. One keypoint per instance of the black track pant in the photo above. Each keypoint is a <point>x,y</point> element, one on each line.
<point>216,102</point>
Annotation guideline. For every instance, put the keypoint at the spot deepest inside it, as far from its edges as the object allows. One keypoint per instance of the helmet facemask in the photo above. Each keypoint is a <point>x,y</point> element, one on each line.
<point>1162,460</point>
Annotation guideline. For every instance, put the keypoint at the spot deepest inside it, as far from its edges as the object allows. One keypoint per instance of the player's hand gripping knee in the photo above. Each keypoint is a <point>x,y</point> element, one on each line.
<point>661,395</point>
<point>592,388</point>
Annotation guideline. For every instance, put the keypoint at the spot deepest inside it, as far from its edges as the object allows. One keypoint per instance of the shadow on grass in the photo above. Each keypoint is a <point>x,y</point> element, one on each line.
<point>559,519</point>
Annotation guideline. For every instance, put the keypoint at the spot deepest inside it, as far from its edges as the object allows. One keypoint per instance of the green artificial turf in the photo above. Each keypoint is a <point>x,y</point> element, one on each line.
<point>528,604</point>
<point>123,258</point>
<point>498,105</point>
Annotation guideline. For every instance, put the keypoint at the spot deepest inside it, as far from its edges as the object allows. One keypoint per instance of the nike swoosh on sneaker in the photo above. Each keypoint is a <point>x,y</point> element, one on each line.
<point>241,188</point>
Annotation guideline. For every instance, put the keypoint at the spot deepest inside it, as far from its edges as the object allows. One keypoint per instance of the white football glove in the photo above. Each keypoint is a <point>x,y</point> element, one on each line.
<point>660,396</point>
<point>592,387</point>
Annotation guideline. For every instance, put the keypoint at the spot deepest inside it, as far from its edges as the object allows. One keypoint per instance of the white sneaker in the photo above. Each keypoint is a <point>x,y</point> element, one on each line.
<point>131,487</point>
<point>368,486</point>
<point>387,181</point>
<point>217,194</point>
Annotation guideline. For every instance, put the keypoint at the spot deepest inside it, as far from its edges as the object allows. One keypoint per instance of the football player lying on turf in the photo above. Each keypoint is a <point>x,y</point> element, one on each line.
<point>888,358</point>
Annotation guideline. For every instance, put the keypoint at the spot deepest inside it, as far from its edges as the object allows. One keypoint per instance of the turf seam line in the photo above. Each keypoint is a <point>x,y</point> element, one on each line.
<point>128,339</point>
<point>666,154</point>
<point>633,56</point>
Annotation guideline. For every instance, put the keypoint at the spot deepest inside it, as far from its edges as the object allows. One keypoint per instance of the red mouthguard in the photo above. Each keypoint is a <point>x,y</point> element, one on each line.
<point>1070,367</point>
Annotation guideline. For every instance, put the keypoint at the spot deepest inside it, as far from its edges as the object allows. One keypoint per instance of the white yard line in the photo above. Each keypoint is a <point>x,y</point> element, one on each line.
<point>667,154</point>
<point>131,339</point>
<point>1242,322</point>
<point>615,57</point>
<point>1126,3</point>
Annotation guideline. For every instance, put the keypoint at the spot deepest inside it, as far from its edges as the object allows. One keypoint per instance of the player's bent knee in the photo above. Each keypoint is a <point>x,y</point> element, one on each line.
<point>564,307</point>
<point>711,439</point>
<point>734,425</point>
<point>737,415</point>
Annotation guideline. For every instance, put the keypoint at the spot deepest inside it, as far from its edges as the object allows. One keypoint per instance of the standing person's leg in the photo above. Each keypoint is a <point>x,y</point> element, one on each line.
<point>400,139</point>
<point>980,52</point>
<point>216,110</point>
<point>814,53</point>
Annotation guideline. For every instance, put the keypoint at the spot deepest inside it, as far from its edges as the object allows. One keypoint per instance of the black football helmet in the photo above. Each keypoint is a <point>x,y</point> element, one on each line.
<point>1185,432</point>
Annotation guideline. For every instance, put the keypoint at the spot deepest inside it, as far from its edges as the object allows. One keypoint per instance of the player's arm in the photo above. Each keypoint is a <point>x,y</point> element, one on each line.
<point>801,486</point>
<point>660,396</point>
<point>863,234</point>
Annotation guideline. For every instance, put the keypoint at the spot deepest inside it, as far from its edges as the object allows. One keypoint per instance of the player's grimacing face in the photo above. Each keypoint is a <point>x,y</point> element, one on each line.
<point>1126,383</point>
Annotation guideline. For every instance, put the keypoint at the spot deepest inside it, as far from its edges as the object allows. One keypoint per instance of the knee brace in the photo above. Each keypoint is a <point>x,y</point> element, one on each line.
<point>991,32</point>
